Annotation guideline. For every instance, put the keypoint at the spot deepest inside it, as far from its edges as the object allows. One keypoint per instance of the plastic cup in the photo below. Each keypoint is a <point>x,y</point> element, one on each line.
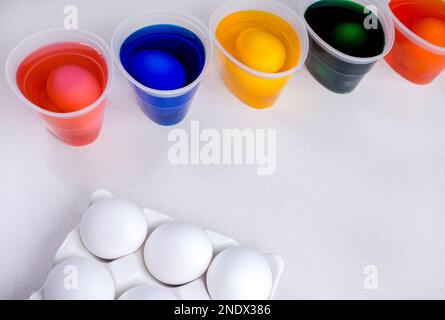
<point>74,128</point>
<point>260,89</point>
<point>164,107</point>
<point>414,58</point>
<point>336,71</point>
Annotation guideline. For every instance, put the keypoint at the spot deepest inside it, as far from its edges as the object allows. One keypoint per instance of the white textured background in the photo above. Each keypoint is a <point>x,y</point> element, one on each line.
<point>360,178</point>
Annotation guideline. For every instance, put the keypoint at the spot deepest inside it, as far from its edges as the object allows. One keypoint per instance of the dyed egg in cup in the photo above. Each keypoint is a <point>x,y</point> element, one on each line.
<point>260,45</point>
<point>64,76</point>
<point>418,54</point>
<point>346,40</point>
<point>164,56</point>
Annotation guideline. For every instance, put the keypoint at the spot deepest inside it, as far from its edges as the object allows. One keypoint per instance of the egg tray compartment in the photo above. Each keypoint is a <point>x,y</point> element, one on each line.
<point>130,271</point>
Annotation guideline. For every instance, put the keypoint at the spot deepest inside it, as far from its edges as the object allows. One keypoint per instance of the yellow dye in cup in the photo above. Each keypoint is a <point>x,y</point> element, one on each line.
<point>265,45</point>
<point>260,50</point>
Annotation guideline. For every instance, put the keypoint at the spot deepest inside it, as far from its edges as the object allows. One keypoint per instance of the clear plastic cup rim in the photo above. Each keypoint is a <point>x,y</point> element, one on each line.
<point>286,12</point>
<point>100,45</point>
<point>412,35</point>
<point>384,18</point>
<point>205,38</point>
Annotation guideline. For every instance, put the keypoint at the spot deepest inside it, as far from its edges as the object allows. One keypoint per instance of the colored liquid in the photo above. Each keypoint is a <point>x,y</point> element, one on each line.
<point>330,20</point>
<point>179,42</point>
<point>408,12</point>
<point>32,76</point>
<point>231,26</point>
<point>414,62</point>
<point>33,73</point>
<point>183,44</point>
<point>341,24</point>
<point>258,92</point>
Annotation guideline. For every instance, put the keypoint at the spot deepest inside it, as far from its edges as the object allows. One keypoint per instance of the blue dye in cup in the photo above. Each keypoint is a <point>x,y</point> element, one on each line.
<point>164,63</point>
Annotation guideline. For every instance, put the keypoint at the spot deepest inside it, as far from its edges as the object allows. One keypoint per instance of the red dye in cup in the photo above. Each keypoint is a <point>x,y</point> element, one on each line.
<point>67,79</point>
<point>419,48</point>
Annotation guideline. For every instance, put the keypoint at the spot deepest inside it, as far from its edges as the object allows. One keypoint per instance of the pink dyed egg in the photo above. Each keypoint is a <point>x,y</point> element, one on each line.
<point>72,88</point>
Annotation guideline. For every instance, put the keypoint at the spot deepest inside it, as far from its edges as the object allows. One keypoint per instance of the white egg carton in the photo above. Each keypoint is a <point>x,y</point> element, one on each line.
<point>131,271</point>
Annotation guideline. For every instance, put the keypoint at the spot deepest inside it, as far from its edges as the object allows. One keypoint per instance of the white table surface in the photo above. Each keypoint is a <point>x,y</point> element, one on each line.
<point>360,178</point>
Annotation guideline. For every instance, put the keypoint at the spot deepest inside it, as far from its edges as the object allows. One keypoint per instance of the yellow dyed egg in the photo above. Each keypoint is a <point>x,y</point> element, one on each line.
<point>260,50</point>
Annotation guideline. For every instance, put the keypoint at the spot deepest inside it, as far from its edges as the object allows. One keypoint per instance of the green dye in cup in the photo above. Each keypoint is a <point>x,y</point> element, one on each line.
<point>347,27</point>
<point>349,35</point>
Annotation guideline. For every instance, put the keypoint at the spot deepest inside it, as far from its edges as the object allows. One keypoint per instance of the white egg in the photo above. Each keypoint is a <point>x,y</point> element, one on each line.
<point>113,228</point>
<point>79,279</point>
<point>239,274</point>
<point>177,253</point>
<point>146,292</point>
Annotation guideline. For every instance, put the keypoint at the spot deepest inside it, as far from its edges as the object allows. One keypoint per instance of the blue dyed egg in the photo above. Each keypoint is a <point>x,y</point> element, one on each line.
<point>158,70</point>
